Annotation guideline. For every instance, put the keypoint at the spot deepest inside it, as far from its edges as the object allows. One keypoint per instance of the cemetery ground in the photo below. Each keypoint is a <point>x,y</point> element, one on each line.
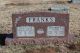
<point>73,47</point>
<point>40,49</point>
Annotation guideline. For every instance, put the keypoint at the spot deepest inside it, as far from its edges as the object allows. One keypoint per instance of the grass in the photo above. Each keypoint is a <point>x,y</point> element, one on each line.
<point>27,49</point>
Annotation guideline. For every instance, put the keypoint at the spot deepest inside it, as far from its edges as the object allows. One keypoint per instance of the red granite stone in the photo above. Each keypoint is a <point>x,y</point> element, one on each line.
<point>42,38</point>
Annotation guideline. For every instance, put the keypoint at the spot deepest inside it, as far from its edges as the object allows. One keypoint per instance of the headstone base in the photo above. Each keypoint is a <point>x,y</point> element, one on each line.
<point>39,41</point>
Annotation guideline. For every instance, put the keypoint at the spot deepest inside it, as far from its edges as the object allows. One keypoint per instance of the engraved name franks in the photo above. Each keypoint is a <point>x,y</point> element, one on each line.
<point>40,19</point>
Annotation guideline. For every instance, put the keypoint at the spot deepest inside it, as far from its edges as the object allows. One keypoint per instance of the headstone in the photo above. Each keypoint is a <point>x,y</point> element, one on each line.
<point>40,26</point>
<point>60,8</point>
<point>76,1</point>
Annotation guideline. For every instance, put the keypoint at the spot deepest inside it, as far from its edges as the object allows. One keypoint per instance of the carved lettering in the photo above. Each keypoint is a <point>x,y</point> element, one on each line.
<point>40,19</point>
